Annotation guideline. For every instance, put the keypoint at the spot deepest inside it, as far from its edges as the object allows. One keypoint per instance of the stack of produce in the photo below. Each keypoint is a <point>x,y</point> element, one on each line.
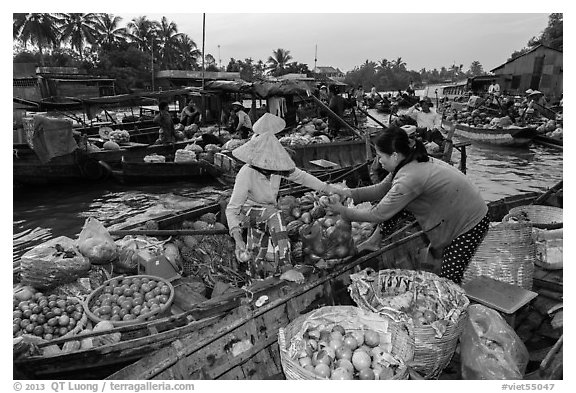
<point>129,299</point>
<point>119,136</point>
<point>320,235</point>
<point>154,158</point>
<point>432,309</point>
<point>344,343</point>
<point>311,131</point>
<point>211,258</point>
<point>45,316</point>
<point>551,129</point>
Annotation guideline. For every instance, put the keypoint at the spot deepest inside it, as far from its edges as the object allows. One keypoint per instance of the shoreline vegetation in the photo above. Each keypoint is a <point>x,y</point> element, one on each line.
<point>102,44</point>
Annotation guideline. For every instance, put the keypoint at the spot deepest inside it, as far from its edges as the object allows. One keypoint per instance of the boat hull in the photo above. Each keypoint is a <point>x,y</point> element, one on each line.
<point>208,347</point>
<point>159,172</point>
<point>549,142</point>
<point>79,165</point>
<point>515,137</point>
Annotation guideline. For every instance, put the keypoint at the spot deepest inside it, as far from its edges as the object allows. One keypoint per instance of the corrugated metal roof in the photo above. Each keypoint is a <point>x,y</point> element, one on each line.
<point>524,54</point>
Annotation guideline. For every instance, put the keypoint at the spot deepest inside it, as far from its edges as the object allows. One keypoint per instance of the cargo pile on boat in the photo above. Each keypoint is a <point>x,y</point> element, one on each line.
<point>487,119</point>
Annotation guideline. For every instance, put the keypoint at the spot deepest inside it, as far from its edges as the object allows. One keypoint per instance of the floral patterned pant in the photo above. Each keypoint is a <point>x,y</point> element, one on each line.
<point>266,228</point>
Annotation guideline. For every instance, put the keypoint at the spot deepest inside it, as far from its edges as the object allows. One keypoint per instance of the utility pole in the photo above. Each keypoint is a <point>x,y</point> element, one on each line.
<point>315,56</point>
<point>219,59</point>
<point>203,67</point>
<point>152,62</point>
<point>203,41</point>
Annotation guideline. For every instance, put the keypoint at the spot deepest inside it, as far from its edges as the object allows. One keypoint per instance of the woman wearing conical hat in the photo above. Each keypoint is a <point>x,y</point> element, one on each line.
<point>253,204</point>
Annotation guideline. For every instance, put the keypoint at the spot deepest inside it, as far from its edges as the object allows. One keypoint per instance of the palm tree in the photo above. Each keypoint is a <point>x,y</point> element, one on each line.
<point>188,53</point>
<point>108,27</point>
<point>383,65</point>
<point>39,30</point>
<point>399,64</point>
<point>168,37</point>
<point>79,30</point>
<point>277,63</point>
<point>143,32</point>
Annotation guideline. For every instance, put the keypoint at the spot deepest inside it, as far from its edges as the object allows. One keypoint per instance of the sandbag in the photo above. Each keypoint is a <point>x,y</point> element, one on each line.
<point>490,348</point>
<point>56,262</point>
<point>96,244</point>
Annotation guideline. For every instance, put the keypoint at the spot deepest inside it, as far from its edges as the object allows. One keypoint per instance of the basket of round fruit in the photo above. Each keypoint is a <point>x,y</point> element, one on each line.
<point>344,342</point>
<point>128,300</point>
<point>432,309</point>
<point>46,316</point>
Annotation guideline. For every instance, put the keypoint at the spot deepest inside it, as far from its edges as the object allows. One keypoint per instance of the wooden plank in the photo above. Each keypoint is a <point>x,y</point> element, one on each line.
<point>498,295</point>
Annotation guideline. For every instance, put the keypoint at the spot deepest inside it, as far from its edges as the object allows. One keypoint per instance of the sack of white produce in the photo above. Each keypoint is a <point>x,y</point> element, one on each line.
<point>96,244</point>
<point>183,155</point>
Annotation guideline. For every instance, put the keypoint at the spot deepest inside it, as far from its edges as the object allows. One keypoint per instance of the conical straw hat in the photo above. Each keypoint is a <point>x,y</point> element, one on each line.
<point>265,152</point>
<point>269,123</point>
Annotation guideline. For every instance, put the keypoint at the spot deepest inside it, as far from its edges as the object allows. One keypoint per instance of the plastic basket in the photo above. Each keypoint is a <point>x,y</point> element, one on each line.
<point>390,292</point>
<point>164,308</point>
<point>507,254</point>
<point>539,216</point>
<point>290,338</point>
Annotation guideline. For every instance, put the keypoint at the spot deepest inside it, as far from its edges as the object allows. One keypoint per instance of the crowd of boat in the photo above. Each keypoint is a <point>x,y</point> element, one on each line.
<point>214,322</point>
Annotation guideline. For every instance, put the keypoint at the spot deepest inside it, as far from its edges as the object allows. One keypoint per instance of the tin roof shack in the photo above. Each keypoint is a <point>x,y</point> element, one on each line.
<point>73,82</point>
<point>541,69</point>
<point>174,79</point>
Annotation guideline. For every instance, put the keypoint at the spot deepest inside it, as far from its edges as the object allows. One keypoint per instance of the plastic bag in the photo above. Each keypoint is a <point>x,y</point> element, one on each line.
<point>56,262</point>
<point>134,250</point>
<point>96,244</point>
<point>325,239</point>
<point>490,348</point>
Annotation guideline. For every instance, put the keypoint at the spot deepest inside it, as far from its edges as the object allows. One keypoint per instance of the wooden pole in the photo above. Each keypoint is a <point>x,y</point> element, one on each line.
<point>373,118</point>
<point>168,232</point>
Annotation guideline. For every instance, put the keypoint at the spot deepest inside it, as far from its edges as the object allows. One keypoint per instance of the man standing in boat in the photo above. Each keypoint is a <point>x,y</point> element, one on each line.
<point>337,106</point>
<point>166,134</point>
<point>494,93</point>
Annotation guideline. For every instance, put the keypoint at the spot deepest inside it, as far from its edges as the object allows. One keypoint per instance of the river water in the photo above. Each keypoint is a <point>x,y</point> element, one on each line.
<point>40,214</point>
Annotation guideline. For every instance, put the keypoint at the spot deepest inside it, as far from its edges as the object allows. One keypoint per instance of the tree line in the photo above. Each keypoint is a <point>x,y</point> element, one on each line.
<point>99,44</point>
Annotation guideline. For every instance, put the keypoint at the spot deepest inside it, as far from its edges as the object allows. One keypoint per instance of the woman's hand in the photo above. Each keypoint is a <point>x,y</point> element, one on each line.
<point>341,190</point>
<point>241,253</point>
<point>335,207</point>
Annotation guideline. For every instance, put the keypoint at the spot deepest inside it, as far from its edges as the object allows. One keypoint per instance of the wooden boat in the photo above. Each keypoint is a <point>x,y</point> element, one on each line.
<point>383,106</point>
<point>516,137</point>
<point>211,352</point>
<point>229,337</point>
<point>549,142</point>
<point>79,165</point>
<point>136,170</point>
<point>316,158</point>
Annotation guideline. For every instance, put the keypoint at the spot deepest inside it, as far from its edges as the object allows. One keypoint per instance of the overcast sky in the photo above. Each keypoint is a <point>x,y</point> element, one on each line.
<point>346,40</point>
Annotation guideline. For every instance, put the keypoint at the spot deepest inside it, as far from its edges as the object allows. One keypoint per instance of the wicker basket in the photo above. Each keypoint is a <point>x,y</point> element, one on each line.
<point>544,217</point>
<point>507,254</point>
<point>164,308</point>
<point>387,292</point>
<point>350,318</point>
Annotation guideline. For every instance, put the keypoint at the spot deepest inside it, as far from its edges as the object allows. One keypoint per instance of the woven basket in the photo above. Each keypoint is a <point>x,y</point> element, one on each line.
<point>163,310</point>
<point>544,217</point>
<point>290,338</point>
<point>388,292</point>
<point>507,254</point>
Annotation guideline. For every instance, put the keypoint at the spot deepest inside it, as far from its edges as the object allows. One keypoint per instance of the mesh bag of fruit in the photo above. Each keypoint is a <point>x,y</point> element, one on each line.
<point>344,342</point>
<point>433,310</point>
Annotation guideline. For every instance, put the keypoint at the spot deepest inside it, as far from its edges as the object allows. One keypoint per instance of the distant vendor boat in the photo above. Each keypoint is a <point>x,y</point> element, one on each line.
<point>515,137</point>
